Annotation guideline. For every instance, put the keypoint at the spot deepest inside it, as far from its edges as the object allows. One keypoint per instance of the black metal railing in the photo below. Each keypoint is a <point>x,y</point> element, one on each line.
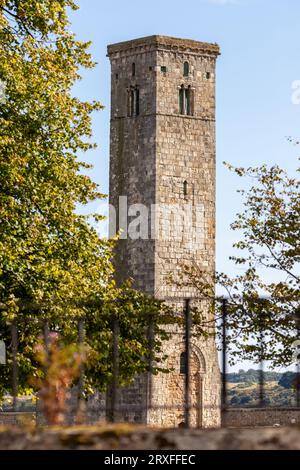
<point>113,407</point>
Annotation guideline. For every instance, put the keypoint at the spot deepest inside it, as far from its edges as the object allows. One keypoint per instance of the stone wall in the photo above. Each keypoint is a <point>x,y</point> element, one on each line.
<point>17,418</point>
<point>234,418</point>
<point>132,161</point>
<point>128,437</point>
<point>132,402</point>
<point>167,390</point>
<point>185,155</point>
<point>248,417</point>
<point>166,161</point>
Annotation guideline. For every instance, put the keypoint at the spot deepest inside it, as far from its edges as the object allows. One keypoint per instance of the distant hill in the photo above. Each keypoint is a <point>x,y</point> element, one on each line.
<point>243,388</point>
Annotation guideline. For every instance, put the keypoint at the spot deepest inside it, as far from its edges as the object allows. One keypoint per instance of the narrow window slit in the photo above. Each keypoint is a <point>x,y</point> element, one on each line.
<point>183,363</point>
<point>186,69</point>
<point>185,188</point>
<point>181,100</point>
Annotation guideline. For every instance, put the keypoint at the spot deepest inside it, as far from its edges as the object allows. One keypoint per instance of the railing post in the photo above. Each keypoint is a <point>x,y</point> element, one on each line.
<point>81,374</point>
<point>188,327</point>
<point>115,370</point>
<point>261,366</point>
<point>297,320</point>
<point>14,341</point>
<point>298,385</point>
<point>150,363</point>
<point>224,354</point>
<point>46,333</point>
<point>81,408</point>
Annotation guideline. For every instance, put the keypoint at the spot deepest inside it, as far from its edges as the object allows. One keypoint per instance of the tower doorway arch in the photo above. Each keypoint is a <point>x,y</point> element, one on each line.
<point>175,391</point>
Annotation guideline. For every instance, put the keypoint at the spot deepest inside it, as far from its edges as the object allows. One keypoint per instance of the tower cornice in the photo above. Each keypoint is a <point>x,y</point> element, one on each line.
<point>166,43</point>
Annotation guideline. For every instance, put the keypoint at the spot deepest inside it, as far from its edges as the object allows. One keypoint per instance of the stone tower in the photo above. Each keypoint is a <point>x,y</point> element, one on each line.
<point>162,176</point>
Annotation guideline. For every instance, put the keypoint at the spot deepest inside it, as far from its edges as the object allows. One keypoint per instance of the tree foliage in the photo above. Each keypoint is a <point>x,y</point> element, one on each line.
<point>263,308</point>
<point>288,380</point>
<point>53,265</point>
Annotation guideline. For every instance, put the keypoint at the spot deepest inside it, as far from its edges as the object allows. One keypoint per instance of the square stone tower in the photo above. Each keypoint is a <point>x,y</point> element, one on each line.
<point>162,194</point>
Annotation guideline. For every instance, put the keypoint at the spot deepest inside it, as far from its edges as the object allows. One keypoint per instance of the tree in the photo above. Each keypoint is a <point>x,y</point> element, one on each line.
<point>288,380</point>
<point>245,400</point>
<point>53,266</point>
<point>266,312</point>
<point>43,127</point>
<point>261,313</point>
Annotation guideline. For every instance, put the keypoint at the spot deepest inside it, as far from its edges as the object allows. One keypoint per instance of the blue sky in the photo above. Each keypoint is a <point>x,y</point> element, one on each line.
<point>260,44</point>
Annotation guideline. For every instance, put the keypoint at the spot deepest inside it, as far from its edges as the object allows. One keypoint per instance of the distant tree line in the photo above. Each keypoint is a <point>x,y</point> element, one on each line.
<point>286,380</point>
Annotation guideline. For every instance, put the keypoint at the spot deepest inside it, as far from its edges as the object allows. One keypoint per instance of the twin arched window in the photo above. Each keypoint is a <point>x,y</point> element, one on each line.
<point>186,100</point>
<point>186,97</point>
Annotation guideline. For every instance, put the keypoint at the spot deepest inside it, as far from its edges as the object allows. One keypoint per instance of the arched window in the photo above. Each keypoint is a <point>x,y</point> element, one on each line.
<point>131,104</point>
<point>133,69</point>
<point>186,69</point>
<point>185,188</point>
<point>133,101</point>
<point>190,101</point>
<point>183,363</point>
<point>129,97</point>
<point>137,102</point>
<point>186,100</point>
<point>181,100</point>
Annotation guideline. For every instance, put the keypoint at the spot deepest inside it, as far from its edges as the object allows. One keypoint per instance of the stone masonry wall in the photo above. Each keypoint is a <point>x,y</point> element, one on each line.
<point>132,161</point>
<point>166,159</point>
<point>185,175</point>
<point>167,390</point>
<point>234,418</point>
<point>249,418</point>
